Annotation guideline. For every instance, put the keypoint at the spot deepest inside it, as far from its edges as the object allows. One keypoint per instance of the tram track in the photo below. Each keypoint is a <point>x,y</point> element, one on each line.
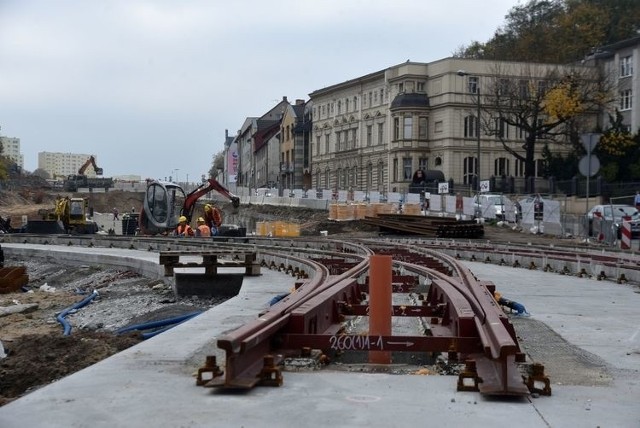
<point>465,323</point>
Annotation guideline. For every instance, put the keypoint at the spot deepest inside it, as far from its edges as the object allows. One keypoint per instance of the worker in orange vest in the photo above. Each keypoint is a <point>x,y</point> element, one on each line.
<point>213,218</point>
<point>202,229</point>
<point>183,228</point>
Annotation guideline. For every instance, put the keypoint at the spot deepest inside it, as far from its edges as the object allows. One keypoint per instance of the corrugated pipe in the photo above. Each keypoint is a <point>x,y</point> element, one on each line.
<point>166,323</point>
<point>61,316</point>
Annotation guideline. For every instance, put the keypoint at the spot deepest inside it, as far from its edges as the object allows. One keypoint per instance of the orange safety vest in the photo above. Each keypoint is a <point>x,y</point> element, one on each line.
<point>212,216</point>
<point>204,230</point>
<point>184,230</point>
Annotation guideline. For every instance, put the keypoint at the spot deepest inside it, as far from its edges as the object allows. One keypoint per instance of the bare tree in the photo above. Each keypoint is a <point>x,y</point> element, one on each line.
<point>546,104</point>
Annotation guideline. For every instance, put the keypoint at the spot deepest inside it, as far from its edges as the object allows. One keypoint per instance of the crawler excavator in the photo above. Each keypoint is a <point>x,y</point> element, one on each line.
<point>75,181</point>
<point>166,202</point>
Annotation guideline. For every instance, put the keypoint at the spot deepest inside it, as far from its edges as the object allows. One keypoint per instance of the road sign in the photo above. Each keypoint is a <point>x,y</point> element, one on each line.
<point>589,165</point>
<point>484,186</point>
<point>443,187</point>
<point>589,141</point>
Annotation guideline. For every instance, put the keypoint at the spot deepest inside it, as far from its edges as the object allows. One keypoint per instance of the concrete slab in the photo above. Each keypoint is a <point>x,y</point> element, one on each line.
<point>153,383</point>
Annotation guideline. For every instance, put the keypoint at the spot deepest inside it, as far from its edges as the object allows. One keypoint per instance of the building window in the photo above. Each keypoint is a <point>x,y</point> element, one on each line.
<point>473,84</point>
<point>369,135</point>
<point>539,167</point>
<point>355,103</point>
<point>395,169</point>
<point>408,128</point>
<point>339,142</point>
<point>523,89</point>
<point>380,133</point>
<point>370,99</point>
<point>423,164</point>
<point>501,167</point>
<point>420,86</point>
<point>407,171</point>
<point>519,168</point>
<point>470,126</point>
<point>396,128</point>
<point>469,166</point>
<point>339,107</point>
<point>346,105</point>
<point>626,66</point>
<point>369,176</point>
<point>400,88</point>
<point>317,145</point>
<point>438,126</point>
<point>422,128</point>
<point>326,144</point>
<point>625,100</point>
<point>502,128</point>
<point>381,95</point>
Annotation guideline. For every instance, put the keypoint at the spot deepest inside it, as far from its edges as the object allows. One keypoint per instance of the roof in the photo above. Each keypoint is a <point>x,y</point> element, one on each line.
<point>411,100</point>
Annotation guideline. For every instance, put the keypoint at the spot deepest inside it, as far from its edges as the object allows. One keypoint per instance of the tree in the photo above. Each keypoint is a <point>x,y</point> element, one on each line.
<point>619,151</point>
<point>558,31</point>
<point>217,164</point>
<point>39,172</point>
<point>545,104</point>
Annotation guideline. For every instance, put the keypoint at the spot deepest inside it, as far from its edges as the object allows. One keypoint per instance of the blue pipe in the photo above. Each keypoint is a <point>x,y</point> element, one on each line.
<point>61,316</point>
<point>166,323</point>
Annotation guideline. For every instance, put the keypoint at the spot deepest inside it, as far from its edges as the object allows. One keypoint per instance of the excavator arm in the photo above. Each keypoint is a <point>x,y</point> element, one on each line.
<point>203,189</point>
<point>91,161</point>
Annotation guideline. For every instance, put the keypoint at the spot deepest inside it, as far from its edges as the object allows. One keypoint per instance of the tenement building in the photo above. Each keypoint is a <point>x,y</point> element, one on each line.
<point>374,132</point>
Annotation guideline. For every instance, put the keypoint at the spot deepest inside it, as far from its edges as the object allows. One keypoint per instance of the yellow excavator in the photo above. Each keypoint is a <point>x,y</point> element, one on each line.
<point>69,215</point>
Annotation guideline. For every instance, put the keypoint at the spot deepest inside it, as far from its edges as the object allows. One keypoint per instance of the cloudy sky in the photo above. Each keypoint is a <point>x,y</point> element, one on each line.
<point>150,87</point>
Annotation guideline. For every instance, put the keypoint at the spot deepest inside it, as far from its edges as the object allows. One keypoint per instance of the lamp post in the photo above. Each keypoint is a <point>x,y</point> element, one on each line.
<point>174,173</point>
<point>464,73</point>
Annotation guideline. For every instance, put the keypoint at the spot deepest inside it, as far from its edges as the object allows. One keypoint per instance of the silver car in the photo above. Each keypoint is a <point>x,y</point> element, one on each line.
<point>616,213</point>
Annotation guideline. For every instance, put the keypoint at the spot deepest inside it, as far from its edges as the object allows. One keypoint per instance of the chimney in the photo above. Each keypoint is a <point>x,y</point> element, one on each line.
<point>299,102</point>
<point>284,99</point>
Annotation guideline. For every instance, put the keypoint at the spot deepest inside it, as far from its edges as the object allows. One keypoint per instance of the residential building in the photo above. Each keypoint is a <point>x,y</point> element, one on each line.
<point>294,152</point>
<point>620,63</point>
<point>61,165</point>
<point>11,149</point>
<point>373,132</point>
<point>265,154</point>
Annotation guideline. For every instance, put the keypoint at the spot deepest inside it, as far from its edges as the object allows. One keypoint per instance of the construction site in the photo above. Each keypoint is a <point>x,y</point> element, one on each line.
<point>555,365</point>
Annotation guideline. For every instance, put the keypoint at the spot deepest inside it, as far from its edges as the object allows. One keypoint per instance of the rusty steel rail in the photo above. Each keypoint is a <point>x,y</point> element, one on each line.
<point>465,322</point>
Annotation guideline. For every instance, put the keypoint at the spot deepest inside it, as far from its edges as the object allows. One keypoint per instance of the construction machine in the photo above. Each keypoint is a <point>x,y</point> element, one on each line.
<point>166,202</point>
<point>75,181</point>
<point>69,215</point>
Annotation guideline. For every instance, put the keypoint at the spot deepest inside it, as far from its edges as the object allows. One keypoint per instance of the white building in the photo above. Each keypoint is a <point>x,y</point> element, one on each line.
<point>11,149</point>
<point>60,165</point>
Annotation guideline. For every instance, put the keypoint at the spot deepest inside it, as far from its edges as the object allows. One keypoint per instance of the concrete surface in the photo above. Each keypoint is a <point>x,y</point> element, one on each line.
<point>153,384</point>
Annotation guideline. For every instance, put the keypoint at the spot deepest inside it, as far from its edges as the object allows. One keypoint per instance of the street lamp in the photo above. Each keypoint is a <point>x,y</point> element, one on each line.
<point>464,73</point>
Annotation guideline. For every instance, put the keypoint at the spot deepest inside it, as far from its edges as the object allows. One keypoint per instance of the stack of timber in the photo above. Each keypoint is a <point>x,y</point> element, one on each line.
<point>435,227</point>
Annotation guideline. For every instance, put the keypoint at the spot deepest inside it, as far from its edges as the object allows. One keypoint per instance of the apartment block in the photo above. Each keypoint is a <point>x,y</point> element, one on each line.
<point>61,165</point>
<point>11,149</point>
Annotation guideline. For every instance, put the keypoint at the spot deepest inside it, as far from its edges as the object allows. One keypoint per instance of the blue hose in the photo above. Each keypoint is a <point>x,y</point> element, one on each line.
<point>61,316</point>
<point>166,323</point>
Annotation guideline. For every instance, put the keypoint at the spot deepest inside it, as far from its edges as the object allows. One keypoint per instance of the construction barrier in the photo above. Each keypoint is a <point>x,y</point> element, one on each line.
<point>277,228</point>
<point>625,232</point>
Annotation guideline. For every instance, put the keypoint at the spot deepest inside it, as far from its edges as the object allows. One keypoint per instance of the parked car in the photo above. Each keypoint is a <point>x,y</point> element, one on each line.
<point>498,202</point>
<point>616,213</point>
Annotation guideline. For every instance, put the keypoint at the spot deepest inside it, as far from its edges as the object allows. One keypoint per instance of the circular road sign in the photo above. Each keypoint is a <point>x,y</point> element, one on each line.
<point>589,166</point>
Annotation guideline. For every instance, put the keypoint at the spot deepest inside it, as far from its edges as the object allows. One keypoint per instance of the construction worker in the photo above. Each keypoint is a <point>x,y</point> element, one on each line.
<point>183,228</point>
<point>213,218</point>
<point>202,229</point>
<point>513,306</point>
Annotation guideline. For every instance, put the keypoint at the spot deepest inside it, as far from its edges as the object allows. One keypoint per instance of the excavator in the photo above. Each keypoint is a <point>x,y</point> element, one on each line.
<point>73,182</point>
<point>69,215</point>
<point>166,202</point>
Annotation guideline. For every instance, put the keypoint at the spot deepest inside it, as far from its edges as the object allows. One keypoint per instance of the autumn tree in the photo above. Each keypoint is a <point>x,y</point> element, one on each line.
<point>547,105</point>
<point>558,31</point>
<point>619,151</point>
<point>217,164</point>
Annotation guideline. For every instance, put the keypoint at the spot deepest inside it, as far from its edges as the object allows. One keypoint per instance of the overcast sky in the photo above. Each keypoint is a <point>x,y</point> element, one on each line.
<point>149,87</point>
